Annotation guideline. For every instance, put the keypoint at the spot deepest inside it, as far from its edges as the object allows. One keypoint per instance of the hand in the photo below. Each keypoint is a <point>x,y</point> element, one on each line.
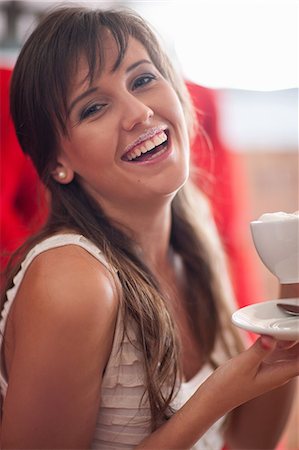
<point>284,351</point>
<point>253,373</point>
<point>232,384</point>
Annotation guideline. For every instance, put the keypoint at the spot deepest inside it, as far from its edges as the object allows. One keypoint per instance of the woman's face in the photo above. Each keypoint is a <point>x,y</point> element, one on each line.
<point>125,113</point>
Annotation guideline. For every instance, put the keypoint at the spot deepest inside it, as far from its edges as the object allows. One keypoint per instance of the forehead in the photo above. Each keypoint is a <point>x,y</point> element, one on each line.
<point>81,74</point>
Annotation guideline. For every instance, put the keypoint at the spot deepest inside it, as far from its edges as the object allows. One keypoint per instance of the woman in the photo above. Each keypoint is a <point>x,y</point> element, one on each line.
<point>118,316</point>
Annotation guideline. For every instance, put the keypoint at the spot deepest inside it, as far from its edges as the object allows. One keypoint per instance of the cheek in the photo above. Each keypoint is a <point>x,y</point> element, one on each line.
<point>89,149</point>
<point>175,111</point>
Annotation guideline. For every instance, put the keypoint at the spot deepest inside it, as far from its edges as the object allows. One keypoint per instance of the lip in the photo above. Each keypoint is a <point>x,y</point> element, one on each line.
<point>156,159</point>
<point>148,134</point>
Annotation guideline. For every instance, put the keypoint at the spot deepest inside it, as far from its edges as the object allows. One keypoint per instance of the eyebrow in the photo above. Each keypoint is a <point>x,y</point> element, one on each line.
<point>91,90</point>
<point>81,97</point>
<point>138,63</point>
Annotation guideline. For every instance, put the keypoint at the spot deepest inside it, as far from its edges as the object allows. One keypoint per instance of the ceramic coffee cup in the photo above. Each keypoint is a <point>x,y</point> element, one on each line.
<point>276,239</point>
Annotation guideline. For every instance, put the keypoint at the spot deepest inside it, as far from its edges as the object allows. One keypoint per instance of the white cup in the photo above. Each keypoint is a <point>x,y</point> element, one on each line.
<point>276,239</point>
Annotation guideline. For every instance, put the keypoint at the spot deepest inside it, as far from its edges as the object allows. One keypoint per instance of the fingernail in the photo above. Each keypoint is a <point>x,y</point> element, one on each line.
<point>267,342</point>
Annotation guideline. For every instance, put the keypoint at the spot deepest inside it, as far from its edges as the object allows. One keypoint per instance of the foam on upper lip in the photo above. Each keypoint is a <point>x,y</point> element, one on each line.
<point>148,134</point>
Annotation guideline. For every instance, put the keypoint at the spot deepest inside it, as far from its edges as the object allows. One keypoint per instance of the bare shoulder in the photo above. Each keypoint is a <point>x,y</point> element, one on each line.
<point>68,280</point>
<point>68,294</point>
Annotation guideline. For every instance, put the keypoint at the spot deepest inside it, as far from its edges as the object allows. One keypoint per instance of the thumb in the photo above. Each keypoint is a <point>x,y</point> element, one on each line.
<point>262,347</point>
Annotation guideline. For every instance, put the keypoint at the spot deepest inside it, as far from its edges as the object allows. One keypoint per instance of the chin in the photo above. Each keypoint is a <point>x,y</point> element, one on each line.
<point>170,185</point>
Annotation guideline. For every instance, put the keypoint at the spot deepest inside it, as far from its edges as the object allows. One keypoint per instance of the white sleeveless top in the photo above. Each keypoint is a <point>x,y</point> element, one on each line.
<point>124,415</point>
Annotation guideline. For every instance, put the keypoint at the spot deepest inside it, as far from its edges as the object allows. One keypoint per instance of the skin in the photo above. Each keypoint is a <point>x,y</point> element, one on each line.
<point>267,414</point>
<point>125,190</point>
<point>59,334</point>
<point>56,328</point>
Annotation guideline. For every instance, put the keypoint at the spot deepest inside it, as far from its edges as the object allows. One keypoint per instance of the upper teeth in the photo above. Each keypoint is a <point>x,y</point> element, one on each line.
<point>147,145</point>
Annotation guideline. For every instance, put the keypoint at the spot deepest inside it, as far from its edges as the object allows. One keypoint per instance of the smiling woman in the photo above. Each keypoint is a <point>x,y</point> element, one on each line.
<point>103,114</point>
<point>115,329</point>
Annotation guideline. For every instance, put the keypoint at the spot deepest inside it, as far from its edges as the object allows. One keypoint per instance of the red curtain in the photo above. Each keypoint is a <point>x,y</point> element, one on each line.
<point>21,194</point>
<point>228,192</point>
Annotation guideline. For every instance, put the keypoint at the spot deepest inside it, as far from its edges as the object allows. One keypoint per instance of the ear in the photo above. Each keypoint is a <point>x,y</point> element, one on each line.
<point>62,174</point>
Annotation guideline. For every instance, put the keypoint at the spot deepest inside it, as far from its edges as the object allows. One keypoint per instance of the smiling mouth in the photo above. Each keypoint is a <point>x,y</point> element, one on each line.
<point>148,149</point>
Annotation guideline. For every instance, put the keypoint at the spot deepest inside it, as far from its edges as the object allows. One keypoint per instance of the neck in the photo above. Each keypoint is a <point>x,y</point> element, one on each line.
<point>150,228</point>
<point>154,242</point>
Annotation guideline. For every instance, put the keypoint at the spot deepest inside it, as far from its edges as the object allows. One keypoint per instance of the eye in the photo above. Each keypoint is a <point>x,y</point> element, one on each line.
<point>143,80</point>
<point>91,110</point>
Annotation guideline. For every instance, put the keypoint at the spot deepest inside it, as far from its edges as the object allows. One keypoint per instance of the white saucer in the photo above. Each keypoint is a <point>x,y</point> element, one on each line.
<point>268,318</point>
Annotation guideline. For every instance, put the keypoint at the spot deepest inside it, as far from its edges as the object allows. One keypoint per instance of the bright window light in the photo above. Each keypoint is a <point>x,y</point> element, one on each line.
<point>230,44</point>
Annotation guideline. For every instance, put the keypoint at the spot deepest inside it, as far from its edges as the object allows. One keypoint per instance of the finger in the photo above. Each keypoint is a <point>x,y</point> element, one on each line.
<point>284,345</point>
<point>262,348</point>
<point>284,370</point>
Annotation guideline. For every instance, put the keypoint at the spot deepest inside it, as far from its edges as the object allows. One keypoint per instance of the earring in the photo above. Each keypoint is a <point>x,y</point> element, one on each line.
<point>61,174</point>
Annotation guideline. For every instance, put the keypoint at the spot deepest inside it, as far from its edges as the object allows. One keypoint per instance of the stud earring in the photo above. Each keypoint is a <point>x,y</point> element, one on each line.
<point>61,174</point>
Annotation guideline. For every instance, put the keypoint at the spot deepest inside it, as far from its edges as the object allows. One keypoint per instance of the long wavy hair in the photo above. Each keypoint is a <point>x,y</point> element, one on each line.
<point>39,89</point>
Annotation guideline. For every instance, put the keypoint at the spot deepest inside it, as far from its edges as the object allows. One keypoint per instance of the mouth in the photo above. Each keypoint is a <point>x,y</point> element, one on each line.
<point>149,148</point>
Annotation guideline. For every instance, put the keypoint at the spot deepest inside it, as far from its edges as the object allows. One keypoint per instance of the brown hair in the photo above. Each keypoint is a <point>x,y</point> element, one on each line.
<point>38,106</point>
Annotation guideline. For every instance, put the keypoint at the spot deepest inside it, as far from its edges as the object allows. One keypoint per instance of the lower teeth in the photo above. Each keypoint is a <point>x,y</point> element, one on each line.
<point>158,153</point>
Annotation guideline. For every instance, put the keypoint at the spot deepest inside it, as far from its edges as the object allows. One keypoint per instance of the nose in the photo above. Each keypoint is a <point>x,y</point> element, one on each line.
<point>135,111</point>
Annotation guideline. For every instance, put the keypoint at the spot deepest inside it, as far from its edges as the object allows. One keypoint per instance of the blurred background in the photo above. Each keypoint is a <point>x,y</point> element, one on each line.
<point>241,61</point>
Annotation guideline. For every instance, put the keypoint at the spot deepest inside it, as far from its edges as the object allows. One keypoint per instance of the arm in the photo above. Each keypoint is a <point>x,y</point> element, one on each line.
<point>239,380</point>
<point>63,319</point>
<point>258,424</point>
